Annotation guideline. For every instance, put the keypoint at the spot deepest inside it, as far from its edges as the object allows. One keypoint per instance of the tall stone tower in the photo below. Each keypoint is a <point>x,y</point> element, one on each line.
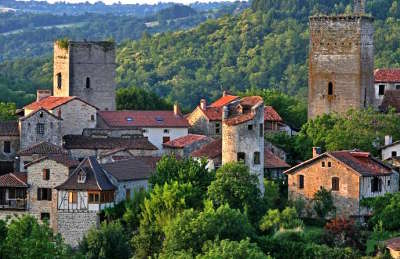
<point>341,62</point>
<point>86,70</point>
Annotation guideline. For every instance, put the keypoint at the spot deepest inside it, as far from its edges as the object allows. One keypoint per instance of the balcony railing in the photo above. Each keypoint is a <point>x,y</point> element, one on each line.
<point>13,204</point>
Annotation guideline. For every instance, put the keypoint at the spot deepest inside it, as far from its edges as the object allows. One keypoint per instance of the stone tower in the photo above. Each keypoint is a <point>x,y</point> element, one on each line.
<point>341,62</point>
<point>243,135</point>
<point>86,70</point>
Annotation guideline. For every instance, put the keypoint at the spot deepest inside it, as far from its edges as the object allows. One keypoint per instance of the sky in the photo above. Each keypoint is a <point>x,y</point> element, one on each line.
<point>137,1</point>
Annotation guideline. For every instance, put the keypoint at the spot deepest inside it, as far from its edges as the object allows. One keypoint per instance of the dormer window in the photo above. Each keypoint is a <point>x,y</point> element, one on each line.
<point>81,177</point>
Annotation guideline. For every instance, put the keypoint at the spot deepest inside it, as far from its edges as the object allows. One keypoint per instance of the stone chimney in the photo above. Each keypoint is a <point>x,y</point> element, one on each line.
<point>177,111</point>
<point>388,140</point>
<point>203,104</point>
<point>316,151</point>
<point>359,7</point>
<point>224,93</point>
<point>225,112</point>
<point>41,94</point>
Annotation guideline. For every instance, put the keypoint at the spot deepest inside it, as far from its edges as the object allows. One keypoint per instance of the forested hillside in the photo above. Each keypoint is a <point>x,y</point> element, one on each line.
<point>263,47</point>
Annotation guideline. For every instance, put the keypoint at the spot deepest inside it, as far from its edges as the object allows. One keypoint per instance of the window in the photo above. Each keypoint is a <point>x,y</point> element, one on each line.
<point>394,153</point>
<point>301,181</point>
<point>45,216</point>
<point>46,174</point>
<point>335,184</point>
<point>59,80</point>
<point>92,117</point>
<point>388,182</point>
<point>73,197</point>
<point>81,176</point>
<point>261,130</point>
<point>106,197</point>
<point>323,164</point>
<point>330,89</point>
<point>165,139</point>
<point>250,127</point>
<point>241,157</point>
<point>256,158</point>
<point>166,131</point>
<point>7,147</point>
<point>94,197</point>
<point>217,128</point>
<point>40,129</point>
<point>87,82</point>
<point>376,185</point>
<point>329,164</point>
<point>44,194</point>
<point>128,194</point>
<point>397,87</point>
<point>381,89</point>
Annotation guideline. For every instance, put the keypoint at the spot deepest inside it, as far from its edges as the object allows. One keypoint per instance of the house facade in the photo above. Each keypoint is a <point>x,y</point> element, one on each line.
<point>385,80</point>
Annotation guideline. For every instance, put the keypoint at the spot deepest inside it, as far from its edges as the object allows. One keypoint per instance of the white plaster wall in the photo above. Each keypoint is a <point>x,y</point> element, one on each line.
<point>387,152</point>
<point>155,135</point>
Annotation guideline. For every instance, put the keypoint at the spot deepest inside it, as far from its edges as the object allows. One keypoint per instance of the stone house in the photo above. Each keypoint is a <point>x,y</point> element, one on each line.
<point>184,146</point>
<point>385,80</point>
<point>39,126</point>
<point>207,119</point>
<point>9,146</point>
<point>243,134</point>
<point>158,126</point>
<point>76,114</point>
<point>43,175</point>
<point>272,120</point>
<point>80,146</point>
<point>13,194</point>
<point>274,166</point>
<point>212,152</point>
<point>350,175</point>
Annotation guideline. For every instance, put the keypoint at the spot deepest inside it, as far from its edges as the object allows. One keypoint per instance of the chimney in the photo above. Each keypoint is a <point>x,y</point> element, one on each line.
<point>359,7</point>
<point>316,151</point>
<point>225,112</point>
<point>203,104</point>
<point>41,94</point>
<point>388,140</point>
<point>224,93</point>
<point>177,111</point>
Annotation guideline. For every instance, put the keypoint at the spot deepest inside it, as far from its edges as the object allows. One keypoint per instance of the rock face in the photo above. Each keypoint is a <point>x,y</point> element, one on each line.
<point>86,70</point>
<point>341,63</point>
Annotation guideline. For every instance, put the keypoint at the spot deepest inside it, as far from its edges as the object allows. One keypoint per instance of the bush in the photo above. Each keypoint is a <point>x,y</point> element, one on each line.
<point>323,203</point>
<point>274,220</point>
<point>343,232</point>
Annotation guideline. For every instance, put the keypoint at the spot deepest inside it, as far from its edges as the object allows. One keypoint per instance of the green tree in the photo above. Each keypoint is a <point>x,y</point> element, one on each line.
<point>227,249</point>
<point>134,98</point>
<point>275,220</point>
<point>323,203</point>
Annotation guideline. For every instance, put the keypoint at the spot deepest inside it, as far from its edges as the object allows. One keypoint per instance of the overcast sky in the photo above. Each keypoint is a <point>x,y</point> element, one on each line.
<point>137,1</point>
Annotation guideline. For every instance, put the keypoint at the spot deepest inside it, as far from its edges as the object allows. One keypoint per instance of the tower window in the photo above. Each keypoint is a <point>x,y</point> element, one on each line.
<point>256,158</point>
<point>394,153</point>
<point>250,127</point>
<point>46,174</point>
<point>7,147</point>
<point>261,129</point>
<point>330,88</point>
<point>381,89</point>
<point>59,80</point>
<point>241,157</point>
<point>87,82</point>
<point>300,180</point>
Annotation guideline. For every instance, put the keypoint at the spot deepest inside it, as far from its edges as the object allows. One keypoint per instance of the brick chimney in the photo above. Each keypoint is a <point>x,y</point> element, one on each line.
<point>316,151</point>
<point>203,104</point>
<point>388,140</point>
<point>41,94</point>
<point>177,111</point>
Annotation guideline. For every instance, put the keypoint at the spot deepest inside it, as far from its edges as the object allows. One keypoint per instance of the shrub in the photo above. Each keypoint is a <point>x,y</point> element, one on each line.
<point>323,203</point>
<point>274,220</point>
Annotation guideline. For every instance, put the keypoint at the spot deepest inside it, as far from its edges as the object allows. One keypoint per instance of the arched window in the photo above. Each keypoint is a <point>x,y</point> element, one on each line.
<point>335,183</point>
<point>330,88</point>
<point>87,82</point>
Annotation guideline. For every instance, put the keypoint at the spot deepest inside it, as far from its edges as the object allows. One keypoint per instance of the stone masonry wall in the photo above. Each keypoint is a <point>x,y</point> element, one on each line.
<point>341,52</point>
<point>73,226</point>
<point>10,214</point>
<point>58,174</point>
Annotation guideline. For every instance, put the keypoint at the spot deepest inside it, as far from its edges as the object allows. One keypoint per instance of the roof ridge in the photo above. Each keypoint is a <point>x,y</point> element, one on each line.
<point>13,175</point>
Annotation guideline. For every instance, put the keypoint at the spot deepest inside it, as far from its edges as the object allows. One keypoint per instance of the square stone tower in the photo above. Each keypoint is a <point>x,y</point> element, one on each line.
<point>341,62</point>
<point>86,70</point>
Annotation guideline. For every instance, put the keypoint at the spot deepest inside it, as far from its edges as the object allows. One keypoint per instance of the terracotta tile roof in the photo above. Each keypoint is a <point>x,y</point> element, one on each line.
<point>242,112</point>
<point>273,161</point>
<point>12,180</point>
<point>387,75</point>
<point>9,128</point>
<point>393,243</point>
<point>61,159</point>
<point>210,150</point>
<point>86,142</point>
<point>184,141</point>
<point>224,100</point>
<point>114,151</point>
<point>391,99</point>
<point>96,178</point>
<point>42,148</point>
<point>52,102</point>
<point>151,160</point>
<point>212,113</point>
<point>132,169</point>
<point>139,119</point>
<point>39,110</point>
<point>361,162</point>
<point>270,114</point>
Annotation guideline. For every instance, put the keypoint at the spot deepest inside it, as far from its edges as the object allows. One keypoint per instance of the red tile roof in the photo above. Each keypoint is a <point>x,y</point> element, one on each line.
<point>61,159</point>
<point>387,75</point>
<point>184,141</point>
<point>39,110</point>
<point>52,102</point>
<point>242,112</point>
<point>391,100</point>
<point>12,180</point>
<point>210,150</point>
<point>273,161</point>
<point>213,113</point>
<point>138,119</point>
<point>42,148</point>
<point>271,115</point>
<point>224,100</point>
<point>361,162</point>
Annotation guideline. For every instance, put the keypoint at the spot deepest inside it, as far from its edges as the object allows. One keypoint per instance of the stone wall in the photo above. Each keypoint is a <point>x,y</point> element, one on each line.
<point>73,226</point>
<point>10,214</point>
<point>83,153</point>
<point>58,174</point>
<point>200,124</point>
<point>82,60</point>
<point>14,148</point>
<point>341,53</point>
